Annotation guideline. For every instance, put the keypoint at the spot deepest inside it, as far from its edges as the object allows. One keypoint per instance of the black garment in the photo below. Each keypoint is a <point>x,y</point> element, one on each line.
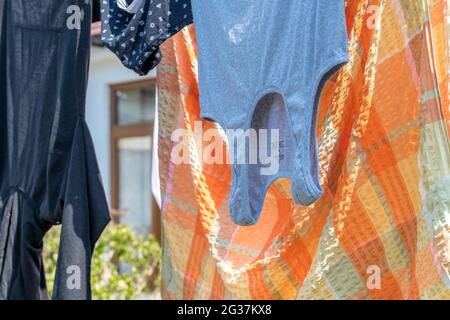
<point>96,11</point>
<point>135,38</point>
<point>48,170</point>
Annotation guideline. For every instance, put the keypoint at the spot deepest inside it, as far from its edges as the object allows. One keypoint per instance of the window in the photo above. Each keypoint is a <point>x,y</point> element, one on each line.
<point>132,119</point>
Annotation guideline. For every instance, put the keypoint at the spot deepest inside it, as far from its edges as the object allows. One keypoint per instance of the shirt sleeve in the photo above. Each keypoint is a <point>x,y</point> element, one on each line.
<point>135,36</point>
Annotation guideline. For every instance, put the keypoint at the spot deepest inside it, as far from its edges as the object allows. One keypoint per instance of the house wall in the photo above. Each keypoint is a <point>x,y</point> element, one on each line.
<point>105,70</point>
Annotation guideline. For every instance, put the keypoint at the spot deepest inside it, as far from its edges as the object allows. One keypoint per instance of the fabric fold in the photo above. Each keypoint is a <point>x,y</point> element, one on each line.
<point>83,196</point>
<point>130,6</point>
<point>135,36</point>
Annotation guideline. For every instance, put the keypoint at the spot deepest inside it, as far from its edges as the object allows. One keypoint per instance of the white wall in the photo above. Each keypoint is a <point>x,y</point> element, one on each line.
<point>105,69</point>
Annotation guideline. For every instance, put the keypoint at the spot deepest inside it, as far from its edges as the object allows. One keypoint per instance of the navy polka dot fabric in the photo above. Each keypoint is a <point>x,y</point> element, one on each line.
<point>135,37</point>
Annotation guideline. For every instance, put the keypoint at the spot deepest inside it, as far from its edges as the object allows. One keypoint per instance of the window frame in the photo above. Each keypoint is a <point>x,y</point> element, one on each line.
<point>118,132</point>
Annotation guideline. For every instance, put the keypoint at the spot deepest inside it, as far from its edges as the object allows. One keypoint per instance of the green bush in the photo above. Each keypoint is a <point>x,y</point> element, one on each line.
<point>125,266</point>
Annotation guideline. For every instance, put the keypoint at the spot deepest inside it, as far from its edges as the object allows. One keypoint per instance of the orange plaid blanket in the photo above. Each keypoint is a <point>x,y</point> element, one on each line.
<point>382,228</point>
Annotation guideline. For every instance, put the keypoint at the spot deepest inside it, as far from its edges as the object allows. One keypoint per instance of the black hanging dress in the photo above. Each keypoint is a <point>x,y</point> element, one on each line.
<point>48,169</point>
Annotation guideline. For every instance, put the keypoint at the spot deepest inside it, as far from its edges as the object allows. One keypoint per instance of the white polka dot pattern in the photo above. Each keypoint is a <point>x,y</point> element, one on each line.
<point>135,38</point>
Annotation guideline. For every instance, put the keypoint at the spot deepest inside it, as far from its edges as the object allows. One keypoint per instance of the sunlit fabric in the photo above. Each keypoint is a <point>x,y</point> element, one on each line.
<point>381,229</point>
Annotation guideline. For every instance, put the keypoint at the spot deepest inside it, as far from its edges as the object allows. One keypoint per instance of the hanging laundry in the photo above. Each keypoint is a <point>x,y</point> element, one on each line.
<point>262,66</point>
<point>385,163</point>
<point>135,36</point>
<point>48,169</point>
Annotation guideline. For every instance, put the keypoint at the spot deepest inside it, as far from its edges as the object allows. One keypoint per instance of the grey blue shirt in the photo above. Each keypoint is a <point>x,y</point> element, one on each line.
<point>262,65</point>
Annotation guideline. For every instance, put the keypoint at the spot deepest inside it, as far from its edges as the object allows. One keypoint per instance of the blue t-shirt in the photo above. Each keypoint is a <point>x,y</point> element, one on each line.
<point>262,67</point>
